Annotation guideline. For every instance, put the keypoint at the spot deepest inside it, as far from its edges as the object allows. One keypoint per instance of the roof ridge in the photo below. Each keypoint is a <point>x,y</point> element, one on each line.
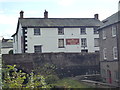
<point>57,18</point>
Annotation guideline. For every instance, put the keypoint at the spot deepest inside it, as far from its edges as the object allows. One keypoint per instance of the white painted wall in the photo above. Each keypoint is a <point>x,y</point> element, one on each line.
<point>49,40</point>
<point>5,50</point>
<point>17,42</point>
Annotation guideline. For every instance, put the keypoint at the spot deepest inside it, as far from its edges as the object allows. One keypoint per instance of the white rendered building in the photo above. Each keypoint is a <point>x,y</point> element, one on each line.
<point>48,35</point>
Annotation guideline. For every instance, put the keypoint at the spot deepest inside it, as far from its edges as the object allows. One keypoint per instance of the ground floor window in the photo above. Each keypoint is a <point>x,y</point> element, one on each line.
<point>116,75</point>
<point>37,48</point>
<point>60,43</point>
<point>83,42</point>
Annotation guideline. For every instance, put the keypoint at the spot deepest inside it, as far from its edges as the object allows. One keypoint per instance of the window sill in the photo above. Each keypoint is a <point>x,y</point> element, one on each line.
<point>115,58</point>
<point>105,59</point>
<point>113,36</point>
<point>104,38</point>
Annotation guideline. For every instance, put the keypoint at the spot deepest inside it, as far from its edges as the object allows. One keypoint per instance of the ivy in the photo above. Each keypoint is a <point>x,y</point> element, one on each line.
<point>13,78</point>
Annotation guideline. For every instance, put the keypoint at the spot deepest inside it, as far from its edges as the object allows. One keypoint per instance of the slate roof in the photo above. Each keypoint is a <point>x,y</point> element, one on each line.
<point>7,43</point>
<point>111,20</point>
<point>57,22</point>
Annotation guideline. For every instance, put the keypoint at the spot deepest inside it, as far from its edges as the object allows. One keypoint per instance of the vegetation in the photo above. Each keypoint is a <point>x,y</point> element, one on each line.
<point>14,78</point>
<point>11,52</point>
<point>69,83</point>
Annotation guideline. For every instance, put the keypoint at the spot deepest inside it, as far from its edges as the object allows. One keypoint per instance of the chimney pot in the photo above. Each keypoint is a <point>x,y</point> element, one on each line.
<point>96,16</point>
<point>46,14</point>
<point>21,14</point>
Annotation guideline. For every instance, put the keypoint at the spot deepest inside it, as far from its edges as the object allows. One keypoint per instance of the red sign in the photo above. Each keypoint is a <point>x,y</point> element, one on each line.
<point>72,41</point>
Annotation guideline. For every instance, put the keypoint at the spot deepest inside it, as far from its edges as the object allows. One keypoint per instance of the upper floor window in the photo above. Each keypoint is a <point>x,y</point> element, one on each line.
<point>60,31</point>
<point>83,42</point>
<point>96,42</point>
<point>95,31</point>
<point>115,53</point>
<point>104,34</point>
<point>36,31</point>
<point>82,30</point>
<point>38,49</point>
<point>114,28</point>
<point>104,53</point>
<point>61,43</point>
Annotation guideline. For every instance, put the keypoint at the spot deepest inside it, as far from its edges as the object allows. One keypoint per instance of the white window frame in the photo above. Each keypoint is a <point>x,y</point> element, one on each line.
<point>104,53</point>
<point>83,42</point>
<point>61,43</point>
<point>82,31</point>
<point>37,31</point>
<point>104,34</point>
<point>114,28</point>
<point>115,53</point>
<point>37,48</point>
<point>60,31</point>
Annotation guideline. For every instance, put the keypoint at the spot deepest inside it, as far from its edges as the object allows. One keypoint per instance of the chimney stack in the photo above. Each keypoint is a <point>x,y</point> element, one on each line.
<point>46,14</point>
<point>96,16</point>
<point>21,14</point>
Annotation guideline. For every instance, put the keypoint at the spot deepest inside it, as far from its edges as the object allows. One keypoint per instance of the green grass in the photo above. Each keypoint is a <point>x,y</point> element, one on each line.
<point>69,83</point>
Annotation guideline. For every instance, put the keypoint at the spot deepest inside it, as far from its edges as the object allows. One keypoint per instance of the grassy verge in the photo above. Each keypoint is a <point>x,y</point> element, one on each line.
<point>69,83</point>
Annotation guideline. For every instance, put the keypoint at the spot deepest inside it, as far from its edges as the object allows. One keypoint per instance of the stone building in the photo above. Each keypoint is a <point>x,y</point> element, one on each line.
<point>109,48</point>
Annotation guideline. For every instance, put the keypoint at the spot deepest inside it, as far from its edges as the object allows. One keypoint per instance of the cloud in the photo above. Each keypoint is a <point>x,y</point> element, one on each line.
<point>65,2</point>
<point>22,0</point>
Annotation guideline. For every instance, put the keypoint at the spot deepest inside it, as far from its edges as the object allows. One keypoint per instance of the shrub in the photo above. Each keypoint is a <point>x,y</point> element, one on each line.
<point>51,79</point>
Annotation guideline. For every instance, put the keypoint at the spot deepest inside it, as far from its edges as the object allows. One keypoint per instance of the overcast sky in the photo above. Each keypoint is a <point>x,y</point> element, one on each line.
<point>9,11</point>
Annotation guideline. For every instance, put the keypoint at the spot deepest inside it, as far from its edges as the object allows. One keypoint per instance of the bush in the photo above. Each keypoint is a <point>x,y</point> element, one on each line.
<point>14,78</point>
<point>51,79</point>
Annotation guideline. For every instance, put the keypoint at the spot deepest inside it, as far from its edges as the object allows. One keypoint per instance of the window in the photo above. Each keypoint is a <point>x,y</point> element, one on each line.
<point>61,43</point>
<point>103,72</point>
<point>95,31</point>
<point>104,53</point>
<point>104,34</point>
<point>116,75</point>
<point>115,52</point>
<point>36,31</point>
<point>82,30</point>
<point>38,49</point>
<point>114,28</point>
<point>83,42</point>
<point>96,42</point>
<point>60,31</point>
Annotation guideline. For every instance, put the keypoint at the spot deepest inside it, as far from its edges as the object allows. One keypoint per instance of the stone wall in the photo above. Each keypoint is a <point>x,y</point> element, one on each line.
<point>67,64</point>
